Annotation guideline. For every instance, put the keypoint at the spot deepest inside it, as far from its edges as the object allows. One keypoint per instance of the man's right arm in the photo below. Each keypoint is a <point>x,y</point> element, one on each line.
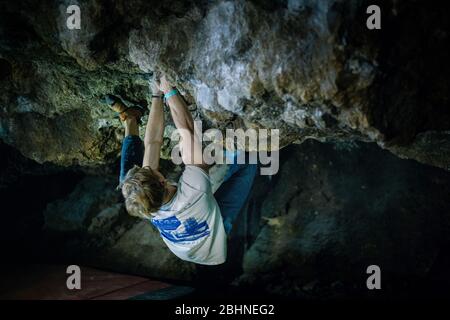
<point>191,146</point>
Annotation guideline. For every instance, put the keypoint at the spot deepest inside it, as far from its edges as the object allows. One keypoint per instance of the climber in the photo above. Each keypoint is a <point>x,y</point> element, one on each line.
<point>192,221</point>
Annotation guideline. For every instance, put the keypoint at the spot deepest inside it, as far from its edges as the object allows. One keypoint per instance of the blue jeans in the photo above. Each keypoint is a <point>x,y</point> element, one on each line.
<point>132,154</point>
<point>231,195</point>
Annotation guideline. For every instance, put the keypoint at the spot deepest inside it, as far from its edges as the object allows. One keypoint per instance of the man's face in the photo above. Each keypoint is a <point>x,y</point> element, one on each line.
<point>161,178</point>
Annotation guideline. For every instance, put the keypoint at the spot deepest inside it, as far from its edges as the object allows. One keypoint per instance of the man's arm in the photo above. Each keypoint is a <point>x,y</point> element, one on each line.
<point>154,131</point>
<point>190,145</point>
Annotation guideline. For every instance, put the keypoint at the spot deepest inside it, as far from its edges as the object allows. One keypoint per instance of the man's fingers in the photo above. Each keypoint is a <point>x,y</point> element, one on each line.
<point>165,85</point>
<point>155,84</point>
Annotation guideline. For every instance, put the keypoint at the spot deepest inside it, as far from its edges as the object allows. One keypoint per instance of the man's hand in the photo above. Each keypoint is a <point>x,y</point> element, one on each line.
<point>155,87</point>
<point>165,85</point>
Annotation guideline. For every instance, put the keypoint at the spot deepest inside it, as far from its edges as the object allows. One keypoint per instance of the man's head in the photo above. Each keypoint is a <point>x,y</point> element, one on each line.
<point>144,190</point>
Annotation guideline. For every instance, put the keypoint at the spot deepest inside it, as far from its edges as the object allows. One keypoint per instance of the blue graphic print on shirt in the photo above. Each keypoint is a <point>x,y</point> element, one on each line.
<point>173,230</point>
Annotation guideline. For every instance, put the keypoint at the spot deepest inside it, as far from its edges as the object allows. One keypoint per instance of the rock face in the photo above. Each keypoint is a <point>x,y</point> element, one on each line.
<point>309,68</point>
<point>309,234</point>
<point>347,207</point>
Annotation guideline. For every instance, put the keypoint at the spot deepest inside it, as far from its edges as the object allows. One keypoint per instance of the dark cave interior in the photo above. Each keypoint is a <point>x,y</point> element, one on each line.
<point>364,146</point>
<point>347,206</point>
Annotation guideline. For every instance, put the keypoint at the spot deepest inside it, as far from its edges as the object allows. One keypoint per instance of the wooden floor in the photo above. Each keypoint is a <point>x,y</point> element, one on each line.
<point>48,282</point>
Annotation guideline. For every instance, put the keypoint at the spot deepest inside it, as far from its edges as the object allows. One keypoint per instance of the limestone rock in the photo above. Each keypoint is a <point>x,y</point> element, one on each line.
<point>308,234</point>
<point>347,207</point>
<point>309,68</point>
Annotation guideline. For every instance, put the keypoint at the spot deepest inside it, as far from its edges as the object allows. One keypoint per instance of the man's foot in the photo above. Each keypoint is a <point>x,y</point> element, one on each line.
<point>124,108</point>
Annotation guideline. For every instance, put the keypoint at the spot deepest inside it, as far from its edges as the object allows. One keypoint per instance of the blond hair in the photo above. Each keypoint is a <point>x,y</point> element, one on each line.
<point>143,192</point>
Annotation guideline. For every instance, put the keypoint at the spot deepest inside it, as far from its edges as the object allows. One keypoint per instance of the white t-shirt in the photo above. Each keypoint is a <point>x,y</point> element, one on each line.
<point>191,224</point>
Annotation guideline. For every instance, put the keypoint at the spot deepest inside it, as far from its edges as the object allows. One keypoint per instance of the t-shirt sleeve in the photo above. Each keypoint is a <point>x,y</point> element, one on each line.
<point>195,178</point>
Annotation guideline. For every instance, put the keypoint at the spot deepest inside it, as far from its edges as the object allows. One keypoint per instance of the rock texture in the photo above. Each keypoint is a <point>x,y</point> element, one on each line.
<point>312,234</point>
<point>347,207</point>
<point>309,68</point>
<point>308,234</point>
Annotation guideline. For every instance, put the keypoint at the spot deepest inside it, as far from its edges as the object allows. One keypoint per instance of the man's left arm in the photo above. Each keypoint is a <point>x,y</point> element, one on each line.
<point>154,131</point>
<point>190,144</point>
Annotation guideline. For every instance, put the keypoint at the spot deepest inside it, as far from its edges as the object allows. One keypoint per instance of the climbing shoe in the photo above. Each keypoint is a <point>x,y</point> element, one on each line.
<point>123,107</point>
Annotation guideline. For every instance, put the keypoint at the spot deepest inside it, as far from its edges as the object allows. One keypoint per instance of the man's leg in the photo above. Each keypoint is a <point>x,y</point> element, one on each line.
<point>234,191</point>
<point>132,147</point>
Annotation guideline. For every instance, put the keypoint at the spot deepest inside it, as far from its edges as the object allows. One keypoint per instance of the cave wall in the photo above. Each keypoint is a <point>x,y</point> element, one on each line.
<point>308,68</point>
<point>347,207</point>
<point>312,234</point>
